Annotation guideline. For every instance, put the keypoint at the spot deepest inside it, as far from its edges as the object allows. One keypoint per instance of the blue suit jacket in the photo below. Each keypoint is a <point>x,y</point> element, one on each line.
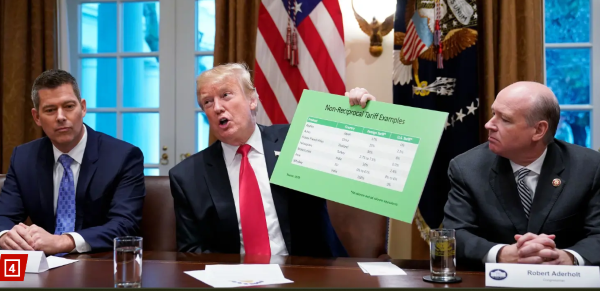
<point>109,196</point>
<point>206,215</point>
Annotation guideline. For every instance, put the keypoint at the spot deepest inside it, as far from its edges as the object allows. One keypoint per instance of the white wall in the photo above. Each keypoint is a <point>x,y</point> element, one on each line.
<point>362,69</point>
<point>375,75</point>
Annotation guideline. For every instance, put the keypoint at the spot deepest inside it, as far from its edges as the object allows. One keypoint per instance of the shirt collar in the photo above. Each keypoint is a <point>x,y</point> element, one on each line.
<point>535,167</point>
<point>77,152</point>
<point>255,141</point>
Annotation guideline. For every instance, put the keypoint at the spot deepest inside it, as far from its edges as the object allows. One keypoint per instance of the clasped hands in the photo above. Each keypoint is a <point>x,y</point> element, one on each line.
<point>534,249</point>
<point>35,238</point>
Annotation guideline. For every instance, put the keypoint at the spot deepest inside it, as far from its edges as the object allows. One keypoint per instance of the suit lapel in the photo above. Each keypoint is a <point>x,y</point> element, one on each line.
<point>220,191</point>
<point>46,185</point>
<point>86,172</point>
<point>546,194</point>
<point>271,144</point>
<point>504,186</point>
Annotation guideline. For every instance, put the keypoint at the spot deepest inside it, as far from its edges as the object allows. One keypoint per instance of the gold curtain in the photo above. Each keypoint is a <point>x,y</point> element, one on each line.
<point>510,48</point>
<point>27,48</point>
<point>235,39</point>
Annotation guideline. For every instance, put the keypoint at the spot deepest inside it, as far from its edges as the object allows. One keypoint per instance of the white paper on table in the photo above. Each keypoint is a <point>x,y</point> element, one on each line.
<point>223,283</point>
<point>55,262</point>
<point>381,268</point>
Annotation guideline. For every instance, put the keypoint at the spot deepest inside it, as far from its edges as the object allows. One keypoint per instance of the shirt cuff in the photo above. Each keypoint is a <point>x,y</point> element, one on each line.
<point>492,255</point>
<point>579,258</point>
<point>80,245</point>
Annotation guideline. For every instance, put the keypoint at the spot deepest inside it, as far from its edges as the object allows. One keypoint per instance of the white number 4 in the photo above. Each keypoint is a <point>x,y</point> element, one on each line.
<point>12,268</point>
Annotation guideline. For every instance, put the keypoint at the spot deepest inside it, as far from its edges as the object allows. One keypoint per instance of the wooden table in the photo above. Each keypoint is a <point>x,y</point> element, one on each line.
<point>165,270</point>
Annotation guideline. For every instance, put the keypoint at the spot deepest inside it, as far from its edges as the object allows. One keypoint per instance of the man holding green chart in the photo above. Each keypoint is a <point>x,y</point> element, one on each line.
<point>224,202</point>
<point>525,197</point>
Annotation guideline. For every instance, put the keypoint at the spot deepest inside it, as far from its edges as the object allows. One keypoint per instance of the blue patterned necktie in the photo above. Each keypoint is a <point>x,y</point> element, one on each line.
<point>65,208</point>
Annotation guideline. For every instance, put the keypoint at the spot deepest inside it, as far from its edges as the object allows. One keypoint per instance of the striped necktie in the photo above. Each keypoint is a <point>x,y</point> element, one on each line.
<point>524,192</point>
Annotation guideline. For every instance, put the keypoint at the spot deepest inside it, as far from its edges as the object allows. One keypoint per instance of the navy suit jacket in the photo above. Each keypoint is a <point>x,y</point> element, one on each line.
<point>109,196</point>
<point>206,215</point>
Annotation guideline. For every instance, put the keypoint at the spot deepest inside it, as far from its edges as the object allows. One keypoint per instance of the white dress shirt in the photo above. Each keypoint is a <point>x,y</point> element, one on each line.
<point>256,156</point>
<point>531,180</point>
<point>77,155</point>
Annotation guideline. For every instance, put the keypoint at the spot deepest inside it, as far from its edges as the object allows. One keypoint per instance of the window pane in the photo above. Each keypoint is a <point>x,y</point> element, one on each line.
<point>140,26</point>
<point>567,21</point>
<point>99,82</point>
<point>205,18</point>
<point>568,74</point>
<point>574,127</point>
<point>102,122</point>
<point>151,172</point>
<point>203,63</point>
<point>142,130</point>
<point>202,130</point>
<point>98,27</point>
<point>141,82</point>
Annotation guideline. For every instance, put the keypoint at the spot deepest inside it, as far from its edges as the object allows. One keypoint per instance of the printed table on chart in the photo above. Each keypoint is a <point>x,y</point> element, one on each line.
<point>372,156</point>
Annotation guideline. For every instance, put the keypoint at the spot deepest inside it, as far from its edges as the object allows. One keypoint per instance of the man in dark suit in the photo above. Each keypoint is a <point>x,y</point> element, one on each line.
<point>79,187</point>
<point>524,197</point>
<point>224,202</point>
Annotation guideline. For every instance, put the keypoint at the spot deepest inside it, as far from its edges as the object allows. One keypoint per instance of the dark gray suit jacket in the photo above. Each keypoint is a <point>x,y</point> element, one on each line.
<point>485,209</point>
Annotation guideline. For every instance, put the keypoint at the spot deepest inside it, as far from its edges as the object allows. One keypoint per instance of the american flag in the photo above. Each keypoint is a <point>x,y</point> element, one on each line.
<point>321,55</point>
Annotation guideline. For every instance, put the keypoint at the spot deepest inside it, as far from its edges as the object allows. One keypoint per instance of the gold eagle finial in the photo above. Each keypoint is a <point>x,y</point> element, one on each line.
<point>375,30</point>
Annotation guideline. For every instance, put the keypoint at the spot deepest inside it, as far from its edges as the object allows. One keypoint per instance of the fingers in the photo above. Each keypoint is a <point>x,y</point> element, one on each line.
<point>545,241</point>
<point>22,230</point>
<point>530,260</point>
<point>549,255</point>
<point>19,241</point>
<point>11,245</point>
<point>358,96</point>
<point>365,98</point>
<point>530,250</point>
<point>524,238</point>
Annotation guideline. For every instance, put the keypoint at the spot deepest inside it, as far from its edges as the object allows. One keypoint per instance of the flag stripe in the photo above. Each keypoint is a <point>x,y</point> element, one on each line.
<point>318,51</point>
<point>308,68</point>
<point>268,100</point>
<point>277,46</point>
<point>327,30</point>
<point>321,57</point>
<point>333,7</point>
<point>275,78</point>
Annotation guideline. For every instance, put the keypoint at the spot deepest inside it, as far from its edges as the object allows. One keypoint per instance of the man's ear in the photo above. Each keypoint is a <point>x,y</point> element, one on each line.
<point>83,107</point>
<point>540,130</point>
<point>36,116</point>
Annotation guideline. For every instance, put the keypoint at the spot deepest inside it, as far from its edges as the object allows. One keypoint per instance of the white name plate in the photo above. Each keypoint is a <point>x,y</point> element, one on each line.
<point>36,260</point>
<point>547,276</point>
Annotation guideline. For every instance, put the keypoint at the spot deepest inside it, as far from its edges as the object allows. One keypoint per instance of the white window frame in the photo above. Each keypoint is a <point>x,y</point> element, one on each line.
<point>69,9</point>
<point>594,45</point>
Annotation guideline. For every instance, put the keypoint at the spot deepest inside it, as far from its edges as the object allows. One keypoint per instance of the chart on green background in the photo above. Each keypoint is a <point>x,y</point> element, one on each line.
<point>376,159</point>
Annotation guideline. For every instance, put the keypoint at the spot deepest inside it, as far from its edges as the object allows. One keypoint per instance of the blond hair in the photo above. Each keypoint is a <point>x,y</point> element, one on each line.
<point>221,72</point>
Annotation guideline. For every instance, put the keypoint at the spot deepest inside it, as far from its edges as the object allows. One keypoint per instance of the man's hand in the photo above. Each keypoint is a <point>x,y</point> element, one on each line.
<point>359,96</point>
<point>541,249</point>
<point>508,254</point>
<point>48,243</point>
<point>16,239</point>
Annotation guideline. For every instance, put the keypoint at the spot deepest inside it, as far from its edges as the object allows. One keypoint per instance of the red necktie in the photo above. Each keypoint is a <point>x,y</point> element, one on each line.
<point>252,212</point>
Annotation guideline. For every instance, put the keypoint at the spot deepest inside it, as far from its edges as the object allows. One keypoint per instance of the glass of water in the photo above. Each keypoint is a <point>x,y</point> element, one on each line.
<point>128,262</point>
<point>442,249</point>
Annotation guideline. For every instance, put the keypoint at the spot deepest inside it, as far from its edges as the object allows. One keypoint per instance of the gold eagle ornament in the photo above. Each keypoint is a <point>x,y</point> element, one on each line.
<point>375,30</point>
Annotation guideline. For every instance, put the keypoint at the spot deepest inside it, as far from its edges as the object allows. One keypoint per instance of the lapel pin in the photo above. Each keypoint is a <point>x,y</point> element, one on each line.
<point>276,153</point>
<point>556,182</point>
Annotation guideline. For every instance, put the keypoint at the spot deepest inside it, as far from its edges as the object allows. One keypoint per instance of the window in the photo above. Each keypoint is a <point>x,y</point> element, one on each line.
<point>572,66</point>
<point>125,55</point>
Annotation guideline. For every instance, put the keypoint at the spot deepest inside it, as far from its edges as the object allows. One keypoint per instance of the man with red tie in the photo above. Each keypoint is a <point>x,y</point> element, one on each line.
<point>223,200</point>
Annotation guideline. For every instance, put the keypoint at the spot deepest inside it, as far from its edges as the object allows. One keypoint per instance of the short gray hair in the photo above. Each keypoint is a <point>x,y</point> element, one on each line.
<point>52,79</point>
<point>545,107</point>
